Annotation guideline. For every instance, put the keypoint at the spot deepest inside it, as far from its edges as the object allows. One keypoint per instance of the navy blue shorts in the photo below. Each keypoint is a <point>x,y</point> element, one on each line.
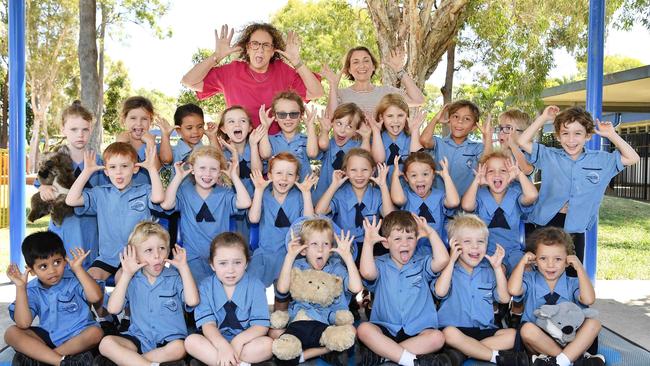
<point>478,333</point>
<point>43,335</point>
<point>398,338</point>
<point>105,266</point>
<point>136,341</point>
<point>308,331</point>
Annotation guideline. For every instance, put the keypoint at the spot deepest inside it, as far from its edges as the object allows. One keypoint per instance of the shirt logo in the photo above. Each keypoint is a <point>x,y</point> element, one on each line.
<point>137,205</point>
<point>593,177</point>
<point>171,305</point>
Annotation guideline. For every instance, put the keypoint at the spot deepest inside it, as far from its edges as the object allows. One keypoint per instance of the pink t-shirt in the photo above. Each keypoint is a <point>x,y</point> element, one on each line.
<point>242,86</point>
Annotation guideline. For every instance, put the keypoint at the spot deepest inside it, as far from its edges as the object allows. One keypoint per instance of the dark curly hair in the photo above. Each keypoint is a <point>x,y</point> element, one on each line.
<point>245,37</point>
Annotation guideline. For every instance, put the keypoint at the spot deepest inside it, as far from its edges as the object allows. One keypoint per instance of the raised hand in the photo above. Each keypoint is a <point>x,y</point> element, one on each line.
<point>325,123</point>
<point>375,125</point>
<point>222,42</point>
<point>258,180</point>
<point>396,59</point>
<point>182,169</point>
<point>332,77</point>
<point>479,174</point>
<point>550,112</point>
<point>90,161</point>
<point>295,245</point>
<point>211,130</point>
<point>306,185</point>
<point>528,258</point>
<point>416,121</point>
<point>16,277</point>
<point>343,244</point>
<point>443,170</point>
<point>573,261</point>
<point>179,259</point>
<point>486,128</point>
<point>455,250</point>
<point>265,117</point>
<point>497,258</point>
<point>257,135</point>
<point>442,116</point>
<point>292,51</point>
<point>76,259</point>
<point>364,130</point>
<point>165,127</point>
<point>311,114</point>
<point>382,173</point>
<point>371,230</point>
<point>424,230</point>
<point>513,170</point>
<point>129,262</point>
<point>148,139</point>
<point>149,162</point>
<point>338,178</point>
<point>605,129</point>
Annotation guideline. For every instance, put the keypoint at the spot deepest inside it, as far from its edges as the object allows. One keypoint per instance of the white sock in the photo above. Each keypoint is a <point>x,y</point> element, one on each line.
<point>562,360</point>
<point>155,364</point>
<point>302,357</point>
<point>244,364</point>
<point>407,358</point>
<point>494,356</point>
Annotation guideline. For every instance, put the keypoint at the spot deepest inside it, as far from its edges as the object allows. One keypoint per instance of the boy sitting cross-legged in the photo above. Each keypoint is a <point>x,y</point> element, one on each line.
<point>403,321</point>
<point>59,298</point>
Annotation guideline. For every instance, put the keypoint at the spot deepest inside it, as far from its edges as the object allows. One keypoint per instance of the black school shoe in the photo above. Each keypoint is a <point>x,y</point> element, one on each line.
<point>124,325</point>
<point>433,359</point>
<point>173,363</point>
<point>512,358</point>
<point>335,358</point>
<point>21,359</point>
<point>80,359</point>
<point>367,357</point>
<point>590,360</point>
<point>544,360</point>
<point>110,327</point>
<point>101,360</point>
<point>457,357</point>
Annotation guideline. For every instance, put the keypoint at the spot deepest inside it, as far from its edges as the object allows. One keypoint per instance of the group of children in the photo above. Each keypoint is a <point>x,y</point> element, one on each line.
<point>436,274</point>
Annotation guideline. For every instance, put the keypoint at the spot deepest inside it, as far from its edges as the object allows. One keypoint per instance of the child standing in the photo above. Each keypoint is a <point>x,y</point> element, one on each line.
<point>434,204</point>
<point>403,321</point>
<point>468,286</point>
<point>316,245</point>
<point>156,295</point>
<point>511,124</point>
<point>548,284</point>
<point>58,297</point>
<point>462,153</point>
<point>574,178</point>
<point>205,203</point>
<point>189,123</point>
<point>228,295</point>
<point>501,204</point>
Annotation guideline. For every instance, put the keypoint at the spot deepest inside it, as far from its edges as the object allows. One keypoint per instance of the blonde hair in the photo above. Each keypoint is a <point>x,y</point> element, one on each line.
<point>519,117</point>
<point>465,221</point>
<point>210,152</point>
<point>494,154</point>
<point>311,226</point>
<point>392,99</point>
<point>362,153</point>
<point>146,229</point>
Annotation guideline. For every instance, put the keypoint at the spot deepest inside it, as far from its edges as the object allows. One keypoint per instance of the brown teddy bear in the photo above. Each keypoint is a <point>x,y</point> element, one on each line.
<point>320,288</point>
<point>55,170</point>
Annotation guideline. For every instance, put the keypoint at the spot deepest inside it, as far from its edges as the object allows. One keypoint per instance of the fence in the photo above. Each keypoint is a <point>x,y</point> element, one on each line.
<point>4,188</point>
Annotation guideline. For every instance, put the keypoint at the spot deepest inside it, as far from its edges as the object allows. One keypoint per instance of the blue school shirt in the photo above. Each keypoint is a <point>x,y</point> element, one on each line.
<point>249,297</point>
<point>244,168</point>
<point>403,299</point>
<point>142,176</point>
<point>403,143</point>
<point>156,309</point>
<point>180,152</point>
<point>62,309</point>
<point>469,302</point>
<point>535,288</point>
<point>272,238</point>
<point>326,170</point>
<point>117,214</point>
<point>580,182</point>
<point>297,146</point>
<point>463,160</point>
<point>343,211</point>
<point>435,203</point>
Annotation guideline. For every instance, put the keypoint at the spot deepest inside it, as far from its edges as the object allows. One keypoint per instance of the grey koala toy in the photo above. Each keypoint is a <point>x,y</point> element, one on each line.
<point>562,321</point>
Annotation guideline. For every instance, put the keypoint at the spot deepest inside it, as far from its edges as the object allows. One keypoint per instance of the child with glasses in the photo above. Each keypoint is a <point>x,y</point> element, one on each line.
<point>511,124</point>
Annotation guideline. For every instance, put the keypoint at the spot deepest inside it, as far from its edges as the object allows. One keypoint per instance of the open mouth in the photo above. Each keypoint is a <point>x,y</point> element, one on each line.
<point>498,183</point>
<point>404,255</point>
<point>206,180</point>
<point>340,140</point>
<point>259,59</point>
<point>421,190</point>
<point>474,256</point>
<point>158,267</point>
<point>320,263</point>
<point>137,131</point>
<point>119,180</point>
<point>238,134</point>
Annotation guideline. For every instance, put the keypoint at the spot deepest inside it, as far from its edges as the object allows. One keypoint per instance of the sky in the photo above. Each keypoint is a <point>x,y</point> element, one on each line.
<point>160,64</point>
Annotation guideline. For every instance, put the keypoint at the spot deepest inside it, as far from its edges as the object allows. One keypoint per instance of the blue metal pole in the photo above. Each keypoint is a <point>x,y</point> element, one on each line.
<point>17,219</point>
<point>595,107</point>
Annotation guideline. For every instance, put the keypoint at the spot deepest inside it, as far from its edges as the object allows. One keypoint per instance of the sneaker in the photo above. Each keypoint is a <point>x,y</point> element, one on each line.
<point>80,359</point>
<point>544,360</point>
<point>457,357</point>
<point>124,325</point>
<point>101,360</point>
<point>368,357</point>
<point>433,359</point>
<point>335,358</point>
<point>20,359</point>
<point>590,360</point>
<point>512,358</point>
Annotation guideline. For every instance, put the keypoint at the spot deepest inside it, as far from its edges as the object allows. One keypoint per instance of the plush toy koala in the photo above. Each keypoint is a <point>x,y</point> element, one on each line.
<point>320,288</point>
<point>55,170</point>
<point>562,321</point>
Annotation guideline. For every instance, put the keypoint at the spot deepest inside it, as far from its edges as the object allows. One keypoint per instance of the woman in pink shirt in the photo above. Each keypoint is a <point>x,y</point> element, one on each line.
<point>260,72</point>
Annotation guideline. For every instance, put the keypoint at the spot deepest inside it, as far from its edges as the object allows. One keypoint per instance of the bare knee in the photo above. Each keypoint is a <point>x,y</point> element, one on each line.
<point>365,329</point>
<point>529,331</point>
<point>435,337</point>
<point>107,344</point>
<point>451,334</point>
<point>592,324</point>
<point>175,349</point>
<point>12,333</point>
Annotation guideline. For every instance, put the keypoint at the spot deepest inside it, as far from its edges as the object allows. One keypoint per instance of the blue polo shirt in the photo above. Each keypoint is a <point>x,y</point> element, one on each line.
<point>469,300</point>
<point>403,299</point>
<point>463,160</point>
<point>156,309</point>
<point>328,158</point>
<point>249,297</point>
<point>580,182</point>
<point>297,146</point>
<point>343,210</point>
<point>535,288</point>
<point>117,214</point>
<point>62,309</point>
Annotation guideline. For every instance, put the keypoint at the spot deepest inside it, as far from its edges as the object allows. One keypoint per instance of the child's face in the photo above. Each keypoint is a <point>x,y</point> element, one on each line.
<point>49,271</point>
<point>508,131</point>
<point>152,252</point>
<point>496,175</point>
<point>284,174</point>
<point>290,110</point>
<point>551,261</point>
<point>462,122</point>
<point>361,66</point>
<point>77,131</point>
<point>394,120</point>
<point>401,245</point>
<point>318,249</point>
<point>236,125</point>
<point>120,170</point>
<point>473,245</point>
<point>359,171</point>
<point>573,137</point>
<point>420,177</point>
<point>206,171</point>
<point>137,122</point>
<point>191,129</point>
<point>344,129</point>
<point>229,264</point>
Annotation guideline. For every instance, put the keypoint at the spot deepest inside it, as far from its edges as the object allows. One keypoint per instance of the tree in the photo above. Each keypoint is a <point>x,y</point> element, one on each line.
<point>611,64</point>
<point>118,88</point>
<point>211,106</point>
<point>634,12</point>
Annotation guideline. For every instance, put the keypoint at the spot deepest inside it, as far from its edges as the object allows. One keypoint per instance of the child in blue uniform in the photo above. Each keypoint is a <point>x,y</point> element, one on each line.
<point>275,208</point>
<point>403,321</point>
<point>462,117</point>
<point>501,203</point>
<point>394,134</point>
<point>76,230</point>
<point>467,287</point>
<point>190,126</point>
<point>345,124</point>
<point>511,124</point>
<point>287,108</point>
<point>315,244</point>
<point>350,197</point>
<point>156,295</point>
<point>421,197</point>
<point>574,178</point>
<point>205,203</point>
<point>547,284</point>
<point>233,314</point>
<point>66,331</point>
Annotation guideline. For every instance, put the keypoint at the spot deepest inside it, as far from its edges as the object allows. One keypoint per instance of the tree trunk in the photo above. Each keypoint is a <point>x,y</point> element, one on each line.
<point>34,151</point>
<point>426,32</point>
<point>4,123</point>
<point>87,52</point>
<point>448,88</point>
